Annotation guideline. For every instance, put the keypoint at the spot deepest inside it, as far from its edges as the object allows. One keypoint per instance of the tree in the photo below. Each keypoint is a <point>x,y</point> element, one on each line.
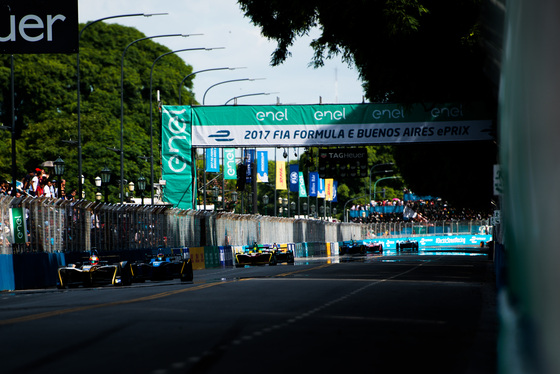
<point>405,51</point>
<point>46,105</point>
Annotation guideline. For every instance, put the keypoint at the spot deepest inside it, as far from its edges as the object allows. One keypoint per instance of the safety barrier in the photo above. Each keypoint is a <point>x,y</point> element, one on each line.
<point>58,231</point>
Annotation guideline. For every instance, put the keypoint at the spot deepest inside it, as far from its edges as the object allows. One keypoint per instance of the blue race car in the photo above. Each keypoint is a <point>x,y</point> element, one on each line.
<point>164,264</point>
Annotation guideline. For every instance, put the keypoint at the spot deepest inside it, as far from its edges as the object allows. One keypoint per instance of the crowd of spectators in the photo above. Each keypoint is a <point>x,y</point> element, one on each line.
<point>37,183</point>
<point>412,210</point>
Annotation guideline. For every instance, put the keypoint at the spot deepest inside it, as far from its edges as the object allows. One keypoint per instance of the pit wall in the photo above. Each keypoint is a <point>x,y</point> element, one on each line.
<point>38,270</point>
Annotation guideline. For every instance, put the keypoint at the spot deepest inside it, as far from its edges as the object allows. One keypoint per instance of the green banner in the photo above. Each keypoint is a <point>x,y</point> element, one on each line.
<point>338,125</point>
<point>229,164</point>
<point>18,226</point>
<point>176,155</point>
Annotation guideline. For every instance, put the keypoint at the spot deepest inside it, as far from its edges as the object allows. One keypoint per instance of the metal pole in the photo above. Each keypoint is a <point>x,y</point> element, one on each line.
<point>152,112</point>
<point>122,101</point>
<point>379,180</point>
<point>223,183</point>
<point>78,88</point>
<point>12,88</point>
<point>196,72</point>
<point>217,84</point>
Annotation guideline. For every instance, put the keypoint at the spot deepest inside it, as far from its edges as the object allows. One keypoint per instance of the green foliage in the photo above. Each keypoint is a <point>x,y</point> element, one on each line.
<point>405,51</point>
<point>46,106</point>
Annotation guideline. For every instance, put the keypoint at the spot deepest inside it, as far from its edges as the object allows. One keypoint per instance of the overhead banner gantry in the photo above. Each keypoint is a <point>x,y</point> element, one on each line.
<point>186,127</point>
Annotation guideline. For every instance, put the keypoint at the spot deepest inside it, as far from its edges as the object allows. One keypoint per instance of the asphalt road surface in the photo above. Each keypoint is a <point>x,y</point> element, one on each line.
<point>373,314</point>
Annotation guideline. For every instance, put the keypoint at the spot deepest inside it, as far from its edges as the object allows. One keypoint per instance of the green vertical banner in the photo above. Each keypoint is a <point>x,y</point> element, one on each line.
<point>230,170</point>
<point>302,190</point>
<point>18,226</point>
<point>176,156</point>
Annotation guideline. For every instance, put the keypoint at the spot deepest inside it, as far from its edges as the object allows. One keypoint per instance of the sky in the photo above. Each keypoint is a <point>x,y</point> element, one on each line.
<point>223,25</point>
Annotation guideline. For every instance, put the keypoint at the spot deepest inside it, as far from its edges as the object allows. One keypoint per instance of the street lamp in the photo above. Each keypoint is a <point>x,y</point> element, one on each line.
<point>122,98</point>
<point>285,205</point>
<point>141,187</point>
<point>379,180</point>
<point>131,189</point>
<point>265,202</point>
<point>197,72</point>
<point>98,195</point>
<point>293,208</point>
<point>78,82</point>
<point>246,95</point>
<point>105,179</point>
<point>371,172</point>
<point>230,81</point>
<point>152,112</point>
<point>58,165</point>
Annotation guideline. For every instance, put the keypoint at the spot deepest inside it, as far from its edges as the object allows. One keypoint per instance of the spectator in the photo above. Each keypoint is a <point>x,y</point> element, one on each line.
<point>72,195</point>
<point>47,192</point>
<point>35,181</point>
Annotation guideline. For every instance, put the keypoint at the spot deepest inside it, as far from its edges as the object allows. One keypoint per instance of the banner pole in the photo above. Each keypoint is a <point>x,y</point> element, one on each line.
<point>14,168</point>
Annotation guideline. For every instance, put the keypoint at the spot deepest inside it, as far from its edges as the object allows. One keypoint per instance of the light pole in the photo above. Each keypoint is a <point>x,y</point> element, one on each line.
<point>246,95</point>
<point>151,113</point>
<point>142,187</point>
<point>197,72</point>
<point>105,179</point>
<point>230,81</point>
<point>98,195</point>
<point>58,165</point>
<point>379,180</point>
<point>265,202</point>
<point>346,203</point>
<point>131,189</point>
<point>80,183</point>
<point>122,98</point>
<point>371,172</point>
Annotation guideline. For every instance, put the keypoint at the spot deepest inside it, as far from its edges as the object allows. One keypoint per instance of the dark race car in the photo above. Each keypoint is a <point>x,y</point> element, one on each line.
<point>94,272</point>
<point>373,247</point>
<point>352,247</point>
<point>283,254</point>
<point>256,255</point>
<point>410,245</point>
<point>164,264</point>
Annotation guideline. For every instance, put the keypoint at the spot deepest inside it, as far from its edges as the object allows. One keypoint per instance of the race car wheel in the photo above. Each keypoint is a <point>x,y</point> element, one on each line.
<point>290,258</point>
<point>273,261</point>
<point>188,275</point>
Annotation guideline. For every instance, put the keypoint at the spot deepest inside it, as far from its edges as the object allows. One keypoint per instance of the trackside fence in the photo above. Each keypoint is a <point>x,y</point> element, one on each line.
<point>58,231</point>
<point>55,225</point>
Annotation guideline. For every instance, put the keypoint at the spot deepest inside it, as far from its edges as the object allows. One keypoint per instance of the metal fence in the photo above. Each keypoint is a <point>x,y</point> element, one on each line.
<point>55,225</point>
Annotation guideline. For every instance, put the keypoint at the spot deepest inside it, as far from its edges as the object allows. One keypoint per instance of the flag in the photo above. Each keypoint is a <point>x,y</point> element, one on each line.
<point>302,191</point>
<point>313,183</point>
<point>281,175</point>
<point>212,160</point>
<point>229,164</point>
<point>321,189</point>
<point>262,166</point>
<point>294,178</point>
<point>250,159</point>
<point>329,189</point>
<point>334,187</point>
<point>408,213</point>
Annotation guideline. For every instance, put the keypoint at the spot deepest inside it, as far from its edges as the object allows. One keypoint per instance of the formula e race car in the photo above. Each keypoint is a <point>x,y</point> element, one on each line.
<point>352,247</point>
<point>94,273</point>
<point>404,245</point>
<point>256,255</point>
<point>283,254</point>
<point>164,264</point>
<point>373,247</point>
